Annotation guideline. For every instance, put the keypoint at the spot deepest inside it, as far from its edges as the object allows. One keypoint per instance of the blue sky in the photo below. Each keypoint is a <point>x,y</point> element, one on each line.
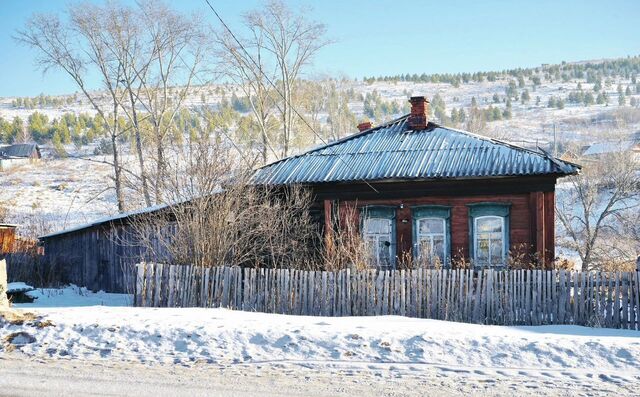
<point>392,37</point>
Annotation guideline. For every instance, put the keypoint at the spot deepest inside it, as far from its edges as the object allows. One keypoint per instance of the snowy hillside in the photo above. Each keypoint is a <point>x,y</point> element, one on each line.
<point>68,191</point>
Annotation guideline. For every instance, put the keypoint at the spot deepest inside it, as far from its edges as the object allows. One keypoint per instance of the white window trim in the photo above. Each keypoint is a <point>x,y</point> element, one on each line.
<point>431,235</point>
<point>475,241</point>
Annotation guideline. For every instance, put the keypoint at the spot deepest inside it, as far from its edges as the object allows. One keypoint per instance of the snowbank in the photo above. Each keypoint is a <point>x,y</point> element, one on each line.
<point>73,296</point>
<point>219,336</point>
<point>78,324</point>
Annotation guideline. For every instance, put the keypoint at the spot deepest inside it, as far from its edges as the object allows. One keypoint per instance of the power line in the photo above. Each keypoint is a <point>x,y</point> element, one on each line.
<point>225,134</point>
<point>275,87</point>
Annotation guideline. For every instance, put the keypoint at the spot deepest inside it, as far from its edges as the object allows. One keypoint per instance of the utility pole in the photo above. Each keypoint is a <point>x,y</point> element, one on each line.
<point>555,146</point>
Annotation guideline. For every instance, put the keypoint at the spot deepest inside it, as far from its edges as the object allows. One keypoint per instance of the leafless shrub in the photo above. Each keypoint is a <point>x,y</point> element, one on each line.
<point>460,261</point>
<point>619,266</point>
<point>217,216</point>
<point>344,245</point>
<point>408,261</point>
<point>564,264</point>
<point>521,257</point>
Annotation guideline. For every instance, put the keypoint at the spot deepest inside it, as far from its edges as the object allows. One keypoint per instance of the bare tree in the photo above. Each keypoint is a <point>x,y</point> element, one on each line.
<point>218,217</point>
<point>590,207</point>
<point>124,38</point>
<point>282,43</point>
<point>245,63</point>
<point>175,57</point>
<point>476,122</point>
<point>77,47</point>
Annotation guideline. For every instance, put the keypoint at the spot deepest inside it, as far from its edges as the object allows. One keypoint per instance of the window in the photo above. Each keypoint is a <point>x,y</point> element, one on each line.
<point>489,240</point>
<point>431,235</point>
<point>431,240</point>
<point>489,227</point>
<point>378,232</point>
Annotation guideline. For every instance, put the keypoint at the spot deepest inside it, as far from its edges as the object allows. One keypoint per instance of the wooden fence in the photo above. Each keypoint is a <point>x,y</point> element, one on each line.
<point>515,297</point>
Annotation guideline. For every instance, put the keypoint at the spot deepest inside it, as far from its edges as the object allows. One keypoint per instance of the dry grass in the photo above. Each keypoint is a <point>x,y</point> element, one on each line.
<point>14,317</point>
<point>619,266</point>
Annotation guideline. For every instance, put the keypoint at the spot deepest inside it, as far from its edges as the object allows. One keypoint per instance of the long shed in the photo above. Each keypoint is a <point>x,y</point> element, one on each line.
<point>99,255</point>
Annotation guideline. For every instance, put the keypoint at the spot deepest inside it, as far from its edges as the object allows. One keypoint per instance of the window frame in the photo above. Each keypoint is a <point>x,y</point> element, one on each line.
<point>484,210</point>
<point>381,212</point>
<point>432,212</point>
<point>475,241</point>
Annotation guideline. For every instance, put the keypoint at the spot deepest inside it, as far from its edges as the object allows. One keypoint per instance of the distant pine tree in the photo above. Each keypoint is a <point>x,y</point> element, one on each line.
<point>622,100</point>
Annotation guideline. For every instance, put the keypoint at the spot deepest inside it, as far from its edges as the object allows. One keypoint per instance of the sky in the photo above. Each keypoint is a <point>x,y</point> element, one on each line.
<point>373,38</point>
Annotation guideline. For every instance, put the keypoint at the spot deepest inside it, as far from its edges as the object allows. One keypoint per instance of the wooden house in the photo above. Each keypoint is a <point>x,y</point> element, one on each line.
<point>420,190</point>
<point>412,188</point>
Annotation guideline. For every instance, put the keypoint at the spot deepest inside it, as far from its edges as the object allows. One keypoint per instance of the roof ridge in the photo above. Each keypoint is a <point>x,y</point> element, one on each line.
<point>510,145</point>
<point>339,141</point>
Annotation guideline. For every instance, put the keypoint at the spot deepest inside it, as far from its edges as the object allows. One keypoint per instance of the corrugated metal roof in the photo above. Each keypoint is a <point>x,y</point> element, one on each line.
<point>18,150</point>
<point>394,151</point>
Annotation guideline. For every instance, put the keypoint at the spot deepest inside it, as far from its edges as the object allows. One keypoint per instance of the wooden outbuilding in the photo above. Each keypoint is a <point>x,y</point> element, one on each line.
<point>7,238</point>
<point>19,153</point>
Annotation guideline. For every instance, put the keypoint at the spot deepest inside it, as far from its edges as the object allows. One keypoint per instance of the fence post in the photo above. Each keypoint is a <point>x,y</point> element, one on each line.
<point>4,301</point>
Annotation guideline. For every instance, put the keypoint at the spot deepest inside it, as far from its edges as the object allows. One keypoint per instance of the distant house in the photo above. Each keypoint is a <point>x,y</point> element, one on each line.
<point>630,143</point>
<point>17,154</point>
<point>410,187</point>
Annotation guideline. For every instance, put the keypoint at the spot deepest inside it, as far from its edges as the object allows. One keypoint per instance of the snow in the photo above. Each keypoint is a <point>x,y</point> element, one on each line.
<point>55,194</point>
<point>18,286</point>
<point>87,326</point>
<point>73,296</point>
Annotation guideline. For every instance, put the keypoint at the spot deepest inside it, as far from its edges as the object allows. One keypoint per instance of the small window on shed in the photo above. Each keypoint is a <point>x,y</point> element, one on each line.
<point>378,232</point>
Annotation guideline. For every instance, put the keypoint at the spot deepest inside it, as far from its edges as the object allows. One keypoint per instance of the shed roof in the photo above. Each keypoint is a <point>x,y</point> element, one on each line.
<point>19,150</point>
<point>394,151</point>
<point>106,219</point>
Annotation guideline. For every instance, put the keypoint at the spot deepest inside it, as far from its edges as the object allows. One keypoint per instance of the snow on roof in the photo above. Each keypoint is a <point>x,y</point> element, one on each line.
<point>609,147</point>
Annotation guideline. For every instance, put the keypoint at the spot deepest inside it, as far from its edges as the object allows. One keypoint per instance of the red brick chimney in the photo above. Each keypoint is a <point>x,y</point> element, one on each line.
<point>365,125</point>
<point>418,118</point>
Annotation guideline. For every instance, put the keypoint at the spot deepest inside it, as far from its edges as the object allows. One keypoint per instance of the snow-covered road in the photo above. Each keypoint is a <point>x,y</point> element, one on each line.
<point>24,376</point>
